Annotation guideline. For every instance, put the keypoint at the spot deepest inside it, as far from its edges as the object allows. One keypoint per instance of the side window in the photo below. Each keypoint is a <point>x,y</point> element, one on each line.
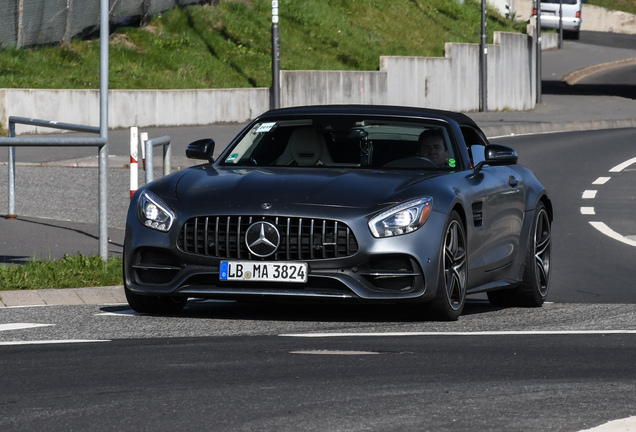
<point>476,144</point>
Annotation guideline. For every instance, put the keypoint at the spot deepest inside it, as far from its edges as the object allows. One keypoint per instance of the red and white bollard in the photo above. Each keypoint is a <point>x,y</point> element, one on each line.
<point>134,144</point>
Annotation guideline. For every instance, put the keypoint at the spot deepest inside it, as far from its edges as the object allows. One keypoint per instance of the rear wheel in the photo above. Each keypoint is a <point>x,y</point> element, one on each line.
<point>450,298</point>
<point>533,289</point>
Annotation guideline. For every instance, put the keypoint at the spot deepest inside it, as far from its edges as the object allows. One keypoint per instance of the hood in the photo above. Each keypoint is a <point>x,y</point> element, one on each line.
<point>291,188</point>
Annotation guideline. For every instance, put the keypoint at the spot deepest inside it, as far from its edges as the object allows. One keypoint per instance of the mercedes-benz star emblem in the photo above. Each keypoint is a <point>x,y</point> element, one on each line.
<point>262,239</point>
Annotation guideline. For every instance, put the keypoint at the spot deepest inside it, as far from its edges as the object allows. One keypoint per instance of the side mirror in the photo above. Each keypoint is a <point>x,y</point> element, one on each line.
<point>496,154</point>
<point>201,149</point>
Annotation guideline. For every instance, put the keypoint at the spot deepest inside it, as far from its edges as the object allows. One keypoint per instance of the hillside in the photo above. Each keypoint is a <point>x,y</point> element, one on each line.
<point>228,45</point>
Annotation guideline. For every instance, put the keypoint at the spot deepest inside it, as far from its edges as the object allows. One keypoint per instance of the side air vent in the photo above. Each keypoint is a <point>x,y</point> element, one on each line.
<point>478,214</point>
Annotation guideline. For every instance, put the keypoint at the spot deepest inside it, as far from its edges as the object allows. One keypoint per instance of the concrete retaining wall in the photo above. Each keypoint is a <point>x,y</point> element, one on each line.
<point>144,108</point>
<point>450,82</point>
<point>594,18</point>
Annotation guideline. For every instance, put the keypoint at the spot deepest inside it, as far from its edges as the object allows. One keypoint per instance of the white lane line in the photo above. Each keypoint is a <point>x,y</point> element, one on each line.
<point>587,210</point>
<point>45,342</point>
<point>21,326</point>
<point>626,424</point>
<point>476,333</point>
<point>589,194</point>
<point>612,234</point>
<point>621,167</point>
<point>332,352</point>
<point>601,180</point>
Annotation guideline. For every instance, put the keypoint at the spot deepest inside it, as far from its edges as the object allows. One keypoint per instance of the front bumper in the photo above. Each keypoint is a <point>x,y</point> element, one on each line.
<point>390,269</point>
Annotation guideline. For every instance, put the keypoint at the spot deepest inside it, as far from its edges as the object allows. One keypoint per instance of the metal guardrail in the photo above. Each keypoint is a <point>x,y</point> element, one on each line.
<point>12,141</point>
<point>167,156</point>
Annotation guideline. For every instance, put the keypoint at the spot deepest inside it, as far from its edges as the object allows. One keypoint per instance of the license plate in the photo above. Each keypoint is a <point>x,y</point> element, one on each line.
<point>253,271</point>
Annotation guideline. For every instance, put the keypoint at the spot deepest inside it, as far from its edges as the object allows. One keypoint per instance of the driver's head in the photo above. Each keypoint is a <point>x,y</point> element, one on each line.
<point>433,146</point>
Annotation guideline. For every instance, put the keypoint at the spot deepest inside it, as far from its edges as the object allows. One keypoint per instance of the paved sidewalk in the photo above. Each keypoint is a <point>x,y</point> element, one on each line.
<point>68,296</point>
<point>46,230</point>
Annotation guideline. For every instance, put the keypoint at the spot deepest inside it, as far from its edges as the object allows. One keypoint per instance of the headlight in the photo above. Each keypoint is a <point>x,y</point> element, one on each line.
<point>153,212</point>
<point>403,219</point>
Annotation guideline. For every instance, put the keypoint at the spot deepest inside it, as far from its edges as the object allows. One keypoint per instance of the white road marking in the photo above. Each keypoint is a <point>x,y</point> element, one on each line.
<point>591,194</point>
<point>476,333</point>
<point>44,342</point>
<point>612,234</point>
<point>621,167</point>
<point>332,352</point>
<point>626,424</point>
<point>126,312</point>
<point>601,180</point>
<point>21,326</point>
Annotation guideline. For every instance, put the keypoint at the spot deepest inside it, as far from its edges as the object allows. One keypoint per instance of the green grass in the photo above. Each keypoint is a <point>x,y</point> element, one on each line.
<point>628,6</point>
<point>69,272</point>
<point>229,45</point>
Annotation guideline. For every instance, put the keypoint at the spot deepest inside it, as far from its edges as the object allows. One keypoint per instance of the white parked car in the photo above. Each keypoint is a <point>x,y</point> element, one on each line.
<point>571,15</point>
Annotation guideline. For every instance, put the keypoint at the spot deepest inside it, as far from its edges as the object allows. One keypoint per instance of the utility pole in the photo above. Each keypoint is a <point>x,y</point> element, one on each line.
<point>483,61</point>
<point>538,49</point>
<point>560,24</point>
<point>275,93</point>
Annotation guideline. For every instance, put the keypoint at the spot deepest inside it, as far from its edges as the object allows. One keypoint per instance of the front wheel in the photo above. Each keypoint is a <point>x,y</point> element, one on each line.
<point>450,298</point>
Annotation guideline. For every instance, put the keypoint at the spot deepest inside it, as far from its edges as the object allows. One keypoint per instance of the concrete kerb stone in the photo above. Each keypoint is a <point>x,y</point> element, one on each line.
<point>547,127</point>
<point>577,75</point>
<point>67,296</point>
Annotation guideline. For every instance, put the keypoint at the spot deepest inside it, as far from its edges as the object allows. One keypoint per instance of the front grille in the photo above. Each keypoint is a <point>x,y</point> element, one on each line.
<point>300,238</point>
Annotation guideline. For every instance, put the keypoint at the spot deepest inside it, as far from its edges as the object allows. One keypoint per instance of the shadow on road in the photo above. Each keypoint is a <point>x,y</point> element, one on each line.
<point>309,312</point>
<point>563,89</point>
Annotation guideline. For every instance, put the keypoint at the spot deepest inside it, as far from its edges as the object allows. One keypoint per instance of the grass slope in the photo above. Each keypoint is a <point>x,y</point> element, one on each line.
<point>229,45</point>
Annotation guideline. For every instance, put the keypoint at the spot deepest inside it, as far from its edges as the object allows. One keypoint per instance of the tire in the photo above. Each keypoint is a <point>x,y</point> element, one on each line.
<point>535,285</point>
<point>155,305</point>
<point>450,297</point>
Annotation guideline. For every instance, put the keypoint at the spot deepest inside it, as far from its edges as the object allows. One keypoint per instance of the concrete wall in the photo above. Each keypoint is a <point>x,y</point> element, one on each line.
<point>144,108</point>
<point>450,83</point>
<point>332,87</point>
<point>594,18</point>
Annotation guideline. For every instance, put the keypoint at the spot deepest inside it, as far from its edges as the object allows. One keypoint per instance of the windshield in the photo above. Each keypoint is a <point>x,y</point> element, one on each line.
<point>346,141</point>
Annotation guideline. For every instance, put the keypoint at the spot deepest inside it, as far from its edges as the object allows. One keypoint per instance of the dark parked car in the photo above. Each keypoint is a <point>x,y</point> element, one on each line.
<point>345,203</point>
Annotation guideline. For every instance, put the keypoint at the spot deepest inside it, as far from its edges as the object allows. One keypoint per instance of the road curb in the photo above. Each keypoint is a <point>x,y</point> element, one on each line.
<point>515,128</point>
<point>65,296</point>
<point>574,77</point>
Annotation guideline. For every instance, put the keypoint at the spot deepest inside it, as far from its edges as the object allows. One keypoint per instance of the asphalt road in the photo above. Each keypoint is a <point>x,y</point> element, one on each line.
<point>242,367</point>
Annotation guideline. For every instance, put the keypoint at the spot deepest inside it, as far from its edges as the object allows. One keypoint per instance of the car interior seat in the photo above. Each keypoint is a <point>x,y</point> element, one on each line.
<point>305,148</point>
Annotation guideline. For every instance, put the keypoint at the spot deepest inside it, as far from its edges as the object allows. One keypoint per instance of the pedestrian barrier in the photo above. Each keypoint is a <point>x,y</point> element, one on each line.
<point>140,140</point>
<point>12,141</point>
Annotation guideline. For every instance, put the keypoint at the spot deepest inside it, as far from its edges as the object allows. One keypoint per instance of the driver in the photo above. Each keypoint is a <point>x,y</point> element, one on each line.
<point>433,147</point>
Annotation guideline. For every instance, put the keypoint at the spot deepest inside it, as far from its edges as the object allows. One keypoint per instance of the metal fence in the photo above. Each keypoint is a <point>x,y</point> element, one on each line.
<point>26,23</point>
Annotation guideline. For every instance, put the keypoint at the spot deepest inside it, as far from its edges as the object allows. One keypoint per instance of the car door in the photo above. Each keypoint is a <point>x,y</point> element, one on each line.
<point>498,210</point>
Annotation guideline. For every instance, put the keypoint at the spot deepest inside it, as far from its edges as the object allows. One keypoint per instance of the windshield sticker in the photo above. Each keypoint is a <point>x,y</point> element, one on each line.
<point>232,157</point>
<point>266,127</point>
<point>452,163</point>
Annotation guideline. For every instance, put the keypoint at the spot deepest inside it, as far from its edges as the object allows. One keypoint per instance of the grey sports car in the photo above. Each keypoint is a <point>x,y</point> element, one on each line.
<point>344,203</point>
